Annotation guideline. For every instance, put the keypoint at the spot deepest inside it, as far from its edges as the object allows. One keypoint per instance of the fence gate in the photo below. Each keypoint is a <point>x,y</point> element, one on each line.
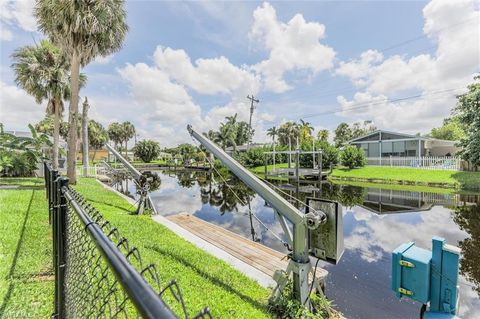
<point>96,268</point>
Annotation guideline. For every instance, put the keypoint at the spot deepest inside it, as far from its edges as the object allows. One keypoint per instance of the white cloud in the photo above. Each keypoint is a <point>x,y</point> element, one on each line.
<point>449,24</point>
<point>293,46</point>
<point>18,13</point>
<point>161,92</point>
<point>17,108</point>
<point>206,76</point>
<point>103,59</point>
<point>5,34</point>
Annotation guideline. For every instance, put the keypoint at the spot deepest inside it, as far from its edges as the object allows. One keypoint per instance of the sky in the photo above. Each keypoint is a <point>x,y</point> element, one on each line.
<point>398,64</point>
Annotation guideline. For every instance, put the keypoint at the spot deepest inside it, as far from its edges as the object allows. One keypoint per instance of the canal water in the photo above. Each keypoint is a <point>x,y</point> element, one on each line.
<point>375,221</point>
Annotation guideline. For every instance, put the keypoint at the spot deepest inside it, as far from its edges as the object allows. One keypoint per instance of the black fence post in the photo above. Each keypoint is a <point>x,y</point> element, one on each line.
<point>61,243</point>
<point>46,175</point>
<point>52,177</point>
<point>54,209</point>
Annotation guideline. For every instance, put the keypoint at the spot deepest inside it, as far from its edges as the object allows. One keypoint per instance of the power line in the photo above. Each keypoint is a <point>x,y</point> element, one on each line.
<point>425,35</point>
<point>373,102</point>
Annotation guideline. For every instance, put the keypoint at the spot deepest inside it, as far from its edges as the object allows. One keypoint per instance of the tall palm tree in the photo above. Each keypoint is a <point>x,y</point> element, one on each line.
<point>226,136</point>
<point>322,135</point>
<point>127,133</point>
<point>84,30</point>
<point>306,130</point>
<point>115,133</point>
<point>42,71</point>
<point>289,131</point>
<point>273,132</point>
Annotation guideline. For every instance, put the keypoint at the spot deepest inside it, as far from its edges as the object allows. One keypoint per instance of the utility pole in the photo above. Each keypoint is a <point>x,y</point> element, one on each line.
<point>252,107</point>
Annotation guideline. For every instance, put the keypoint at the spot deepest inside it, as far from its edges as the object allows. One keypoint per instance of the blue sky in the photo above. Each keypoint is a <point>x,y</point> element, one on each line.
<point>195,62</point>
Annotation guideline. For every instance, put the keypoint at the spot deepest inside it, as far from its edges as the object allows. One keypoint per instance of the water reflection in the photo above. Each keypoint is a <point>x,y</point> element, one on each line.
<point>376,221</point>
<point>468,218</point>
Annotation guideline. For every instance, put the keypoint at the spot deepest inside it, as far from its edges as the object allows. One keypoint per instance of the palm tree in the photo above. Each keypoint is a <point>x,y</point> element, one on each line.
<point>232,120</point>
<point>115,133</point>
<point>305,130</point>
<point>226,136</point>
<point>83,30</point>
<point>273,132</point>
<point>127,133</point>
<point>322,135</point>
<point>42,71</point>
<point>85,137</point>
<point>289,131</point>
<point>97,136</point>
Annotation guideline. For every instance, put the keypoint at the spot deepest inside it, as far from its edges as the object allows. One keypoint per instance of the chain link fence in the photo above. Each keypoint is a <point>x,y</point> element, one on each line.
<point>98,274</point>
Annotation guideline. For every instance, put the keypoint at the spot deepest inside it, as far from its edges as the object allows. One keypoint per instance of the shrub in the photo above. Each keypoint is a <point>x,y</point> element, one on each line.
<point>19,156</point>
<point>287,307</point>
<point>329,156</point>
<point>352,157</point>
<point>255,157</point>
<point>147,150</point>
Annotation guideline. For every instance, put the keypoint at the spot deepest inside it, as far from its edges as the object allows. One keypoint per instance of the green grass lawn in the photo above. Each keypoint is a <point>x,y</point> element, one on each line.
<point>442,178</point>
<point>204,279</point>
<point>26,278</point>
<point>22,181</point>
<point>158,162</point>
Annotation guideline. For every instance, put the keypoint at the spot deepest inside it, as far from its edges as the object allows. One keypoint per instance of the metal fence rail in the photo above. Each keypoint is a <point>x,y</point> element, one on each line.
<point>98,274</point>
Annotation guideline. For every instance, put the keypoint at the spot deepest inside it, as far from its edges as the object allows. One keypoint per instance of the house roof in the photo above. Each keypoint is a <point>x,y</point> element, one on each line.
<point>402,135</point>
<point>406,136</point>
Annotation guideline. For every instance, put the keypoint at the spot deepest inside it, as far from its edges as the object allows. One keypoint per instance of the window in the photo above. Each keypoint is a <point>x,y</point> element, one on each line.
<point>411,148</point>
<point>399,148</point>
<point>373,150</point>
<point>387,148</point>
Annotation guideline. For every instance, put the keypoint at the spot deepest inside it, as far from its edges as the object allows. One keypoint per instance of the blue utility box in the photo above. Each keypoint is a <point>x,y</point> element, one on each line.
<point>429,277</point>
<point>411,272</point>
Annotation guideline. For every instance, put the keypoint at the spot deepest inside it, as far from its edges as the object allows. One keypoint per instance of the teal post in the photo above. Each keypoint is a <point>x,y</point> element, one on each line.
<point>436,273</point>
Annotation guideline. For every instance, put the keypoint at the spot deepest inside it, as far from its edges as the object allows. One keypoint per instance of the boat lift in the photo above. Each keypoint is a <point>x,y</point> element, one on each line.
<point>306,239</point>
<point>142,181</point>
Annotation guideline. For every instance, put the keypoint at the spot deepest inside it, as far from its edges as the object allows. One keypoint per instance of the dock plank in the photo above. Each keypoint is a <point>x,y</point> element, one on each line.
<point>263,258</point>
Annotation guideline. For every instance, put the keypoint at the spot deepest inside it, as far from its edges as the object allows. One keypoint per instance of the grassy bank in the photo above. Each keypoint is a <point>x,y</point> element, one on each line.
<point>204,279</point>
<point>26,278</point>
<point>410,176</point>
<point>398,175</point>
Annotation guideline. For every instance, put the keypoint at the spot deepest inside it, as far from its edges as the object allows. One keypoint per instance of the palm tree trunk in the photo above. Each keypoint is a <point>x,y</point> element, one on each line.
<point>94,154</point>
<point>72,118</point>
<point>56,133</point>
<point>85,139</point>
<point>289,152</point>
<point>274,152</point>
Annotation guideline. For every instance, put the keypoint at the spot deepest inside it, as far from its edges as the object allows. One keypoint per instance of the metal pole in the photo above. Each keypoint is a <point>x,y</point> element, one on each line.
<point>300,261</point>
<point>320,165</point>
<point>266,165</point>
<point>61,244</point>
<point>297,165</point>
<point>52,176</point>
<point>136,174</point>
<point>55,205</point>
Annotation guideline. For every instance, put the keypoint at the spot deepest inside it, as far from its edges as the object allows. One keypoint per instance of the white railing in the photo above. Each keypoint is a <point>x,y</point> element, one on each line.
<point>92,170</point>
<point>424,162</point>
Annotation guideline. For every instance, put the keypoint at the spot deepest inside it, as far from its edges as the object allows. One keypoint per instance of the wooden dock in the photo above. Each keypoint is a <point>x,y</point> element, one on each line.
<point>255,254</point>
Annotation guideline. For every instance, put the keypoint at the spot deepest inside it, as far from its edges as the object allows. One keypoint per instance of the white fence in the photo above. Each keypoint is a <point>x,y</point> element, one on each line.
<point>92,170</point>
<point>424,162</point>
